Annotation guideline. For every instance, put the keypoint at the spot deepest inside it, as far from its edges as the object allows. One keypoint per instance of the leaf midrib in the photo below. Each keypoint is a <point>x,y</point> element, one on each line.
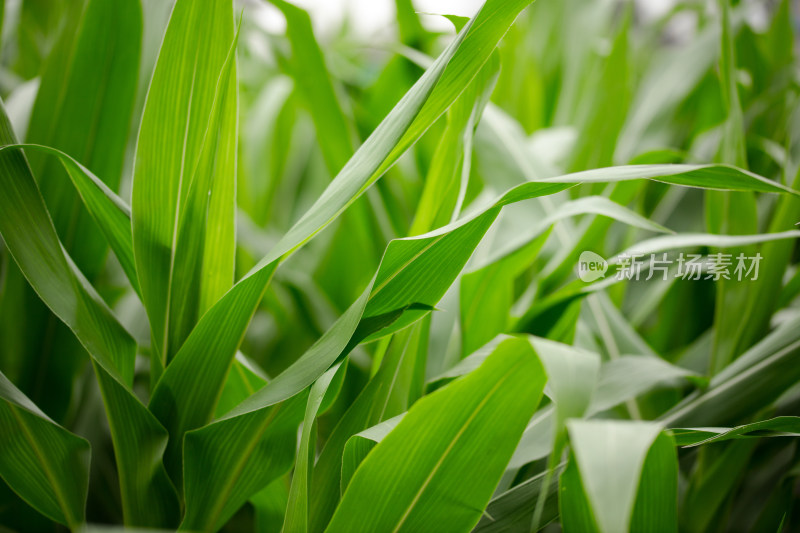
<point>452,444</point>
<point>46,467</point>
<point>241,462</point>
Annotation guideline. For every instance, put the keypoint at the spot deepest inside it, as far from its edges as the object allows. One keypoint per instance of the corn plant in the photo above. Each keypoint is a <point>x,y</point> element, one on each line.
<point>534,269</point>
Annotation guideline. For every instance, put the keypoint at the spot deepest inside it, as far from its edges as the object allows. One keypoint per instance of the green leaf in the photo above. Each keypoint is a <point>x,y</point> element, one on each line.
<point>610,457</point>
<point>513,509</point>
<point>717,474</point>
<point>83,107</point>
<point>669,79</point>
<point>430,455</point>
<point>148,498</point>
<point>359,445</point>
<point>618,381</point>
<point>197,372</point>
<point>611,97</point>
<point>445,182</point>
<point>782,426</point>
<point>243,380</point>
<point>31,238</point>
<point>335,136</point>
<point>715,177</point>
<point>734,213</point>
<point>109,211</point>
<point>487,294</point>
<point>219,476</point>
<point>298,504</point>
<point>42,462</point>
<point>206,221</point>
<point>170,171</point>
<point>630,376</point>
<point>487,289</point>
<point>578,289</point>
<point>390,392</point>
<point>572,377</point>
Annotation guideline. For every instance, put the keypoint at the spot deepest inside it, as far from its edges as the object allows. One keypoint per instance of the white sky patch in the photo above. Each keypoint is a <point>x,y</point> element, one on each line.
<point>368,18</point>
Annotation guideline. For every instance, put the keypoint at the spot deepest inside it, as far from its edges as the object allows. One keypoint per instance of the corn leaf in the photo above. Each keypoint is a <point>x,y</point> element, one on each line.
<point>83,107</point>
<point>148,496</point>
<point>298,503</point>
<point>782,426</point>
<point>210,347</point>
<point>171,174</point>
<point>44,463</point>
<point>600,485</point>
<point>431,454</point>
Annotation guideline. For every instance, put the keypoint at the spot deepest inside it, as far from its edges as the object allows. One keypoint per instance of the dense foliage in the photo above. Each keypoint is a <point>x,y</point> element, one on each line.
<point>426,280</point>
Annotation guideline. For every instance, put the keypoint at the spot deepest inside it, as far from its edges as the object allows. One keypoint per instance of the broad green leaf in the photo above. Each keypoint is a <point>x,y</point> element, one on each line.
<point>219,477</point>
<point>270,506</point>
<point>31,238</point>
<point>715,177</point>
<point>487,293</point>
<point>335,137</point>
<point>38,32</point>
<point>656,507</point>
<point>224,324</point>
<point>204,228</point>
<point>84,110</point>
<point>44,463</point>
<point>734,213</point>
<point>244,379</point>
<point>390,392</point>
<point>618,381</point>
<point>631,375</point>
<point>148,496</point>
<point>206,222</point>
<point>259,423</point>
<point>428,457</point>
<point>109,211</point>
<point>572,378</point>
<point>170,160</point>
<point>261,428</point>
<point>610,458</point>
<point>359,445</point>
